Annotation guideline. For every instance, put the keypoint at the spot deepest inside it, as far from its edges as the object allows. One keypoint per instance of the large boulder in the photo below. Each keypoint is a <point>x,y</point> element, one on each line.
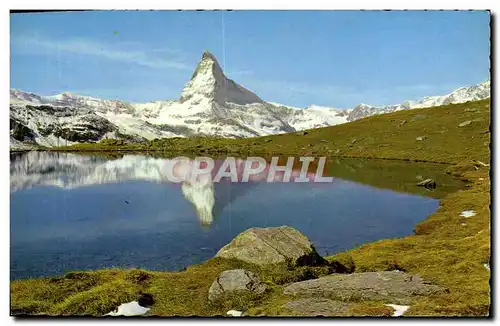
<point>272,245</point>
<point>391,286</point>
<point>236,280</point>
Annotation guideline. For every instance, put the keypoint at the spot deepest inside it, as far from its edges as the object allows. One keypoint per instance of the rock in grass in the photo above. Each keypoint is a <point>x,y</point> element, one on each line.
<point>420,138</point>
<point>236,280</point>
<point>317,307</point>
<point>465,123</point>
<point>302,133</point>
<point>427,183</point>
<point>273,245</point>
<point>393,286</point>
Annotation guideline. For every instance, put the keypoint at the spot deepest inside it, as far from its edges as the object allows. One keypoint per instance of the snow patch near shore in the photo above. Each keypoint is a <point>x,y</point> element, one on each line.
<point>234,313</point>
<point>398,309</point>
<point>129,309</point>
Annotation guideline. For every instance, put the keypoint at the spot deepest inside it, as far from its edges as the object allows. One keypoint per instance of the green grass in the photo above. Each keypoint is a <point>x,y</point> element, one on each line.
<point>442,250</point>
<point>379,136</point>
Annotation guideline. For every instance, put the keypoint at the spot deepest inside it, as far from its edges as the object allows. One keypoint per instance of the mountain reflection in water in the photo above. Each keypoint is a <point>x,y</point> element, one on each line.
<point>68,171</point>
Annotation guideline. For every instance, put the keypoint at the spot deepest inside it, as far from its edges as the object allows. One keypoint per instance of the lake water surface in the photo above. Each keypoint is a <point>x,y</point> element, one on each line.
<point>75,212</point>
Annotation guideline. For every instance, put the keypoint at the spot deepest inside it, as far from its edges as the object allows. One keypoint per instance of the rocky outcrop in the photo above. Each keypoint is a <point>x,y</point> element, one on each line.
<point>391,286</point>
<point>274,245</point>
<point>236,280</point>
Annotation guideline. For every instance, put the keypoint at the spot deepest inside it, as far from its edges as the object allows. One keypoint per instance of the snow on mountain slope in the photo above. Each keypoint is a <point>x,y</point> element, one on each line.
<point>210,104</point>
<point>461,95</point>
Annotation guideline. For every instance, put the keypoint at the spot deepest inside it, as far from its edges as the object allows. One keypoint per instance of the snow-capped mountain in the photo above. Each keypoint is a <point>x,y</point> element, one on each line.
<point>461,95</point>
<point>210,104</point>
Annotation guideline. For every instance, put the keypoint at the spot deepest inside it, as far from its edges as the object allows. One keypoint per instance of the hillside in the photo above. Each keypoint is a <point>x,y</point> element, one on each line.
<point>392,136</point>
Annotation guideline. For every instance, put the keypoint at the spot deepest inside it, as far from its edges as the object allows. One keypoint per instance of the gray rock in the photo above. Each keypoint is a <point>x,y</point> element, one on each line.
<point>272,245</point>
<point>236,280</point>
<point>419,138</point>
<point>427,183</point>
<point>391,286</point>
<point>317,307</point>
<point>465,123</point>
<point>302,133</point>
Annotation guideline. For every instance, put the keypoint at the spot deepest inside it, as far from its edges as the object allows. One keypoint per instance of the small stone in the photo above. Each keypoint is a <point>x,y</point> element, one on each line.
<point>465,123</point>
<point>302,133</point>
<point>420,138</point>
<point>427,183</point>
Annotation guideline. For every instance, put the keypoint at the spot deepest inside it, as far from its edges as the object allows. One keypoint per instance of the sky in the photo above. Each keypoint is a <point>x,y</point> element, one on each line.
<point>330,58</point>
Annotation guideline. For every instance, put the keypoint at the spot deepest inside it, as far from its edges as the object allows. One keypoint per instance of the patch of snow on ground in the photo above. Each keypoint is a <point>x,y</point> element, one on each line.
<point>468,213</point>
<point>398,310</point>
<point>129,309</point>
<point>234,313</point>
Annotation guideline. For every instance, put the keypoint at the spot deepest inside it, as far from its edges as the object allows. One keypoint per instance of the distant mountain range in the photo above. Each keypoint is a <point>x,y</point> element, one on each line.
<point>210,104</point>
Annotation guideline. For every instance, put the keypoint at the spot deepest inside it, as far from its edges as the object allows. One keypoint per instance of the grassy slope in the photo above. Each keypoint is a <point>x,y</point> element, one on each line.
<point>374,137</point>
<point>443,250</point>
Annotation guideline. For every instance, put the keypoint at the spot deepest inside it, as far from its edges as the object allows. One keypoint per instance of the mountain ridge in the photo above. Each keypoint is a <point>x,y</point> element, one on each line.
<point>210,104</point>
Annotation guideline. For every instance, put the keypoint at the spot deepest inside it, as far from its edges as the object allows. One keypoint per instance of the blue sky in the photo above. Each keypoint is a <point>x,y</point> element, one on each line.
<point>297,58</point>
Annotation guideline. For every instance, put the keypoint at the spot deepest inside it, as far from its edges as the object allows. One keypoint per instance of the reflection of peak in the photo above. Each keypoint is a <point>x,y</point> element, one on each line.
<point>201,195</point>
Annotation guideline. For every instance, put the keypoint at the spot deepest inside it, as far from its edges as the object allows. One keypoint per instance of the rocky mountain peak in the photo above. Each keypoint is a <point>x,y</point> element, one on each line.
<point>209,83</point>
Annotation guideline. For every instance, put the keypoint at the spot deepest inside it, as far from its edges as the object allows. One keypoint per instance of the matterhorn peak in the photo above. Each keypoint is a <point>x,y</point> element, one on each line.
<point>209,83</point>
